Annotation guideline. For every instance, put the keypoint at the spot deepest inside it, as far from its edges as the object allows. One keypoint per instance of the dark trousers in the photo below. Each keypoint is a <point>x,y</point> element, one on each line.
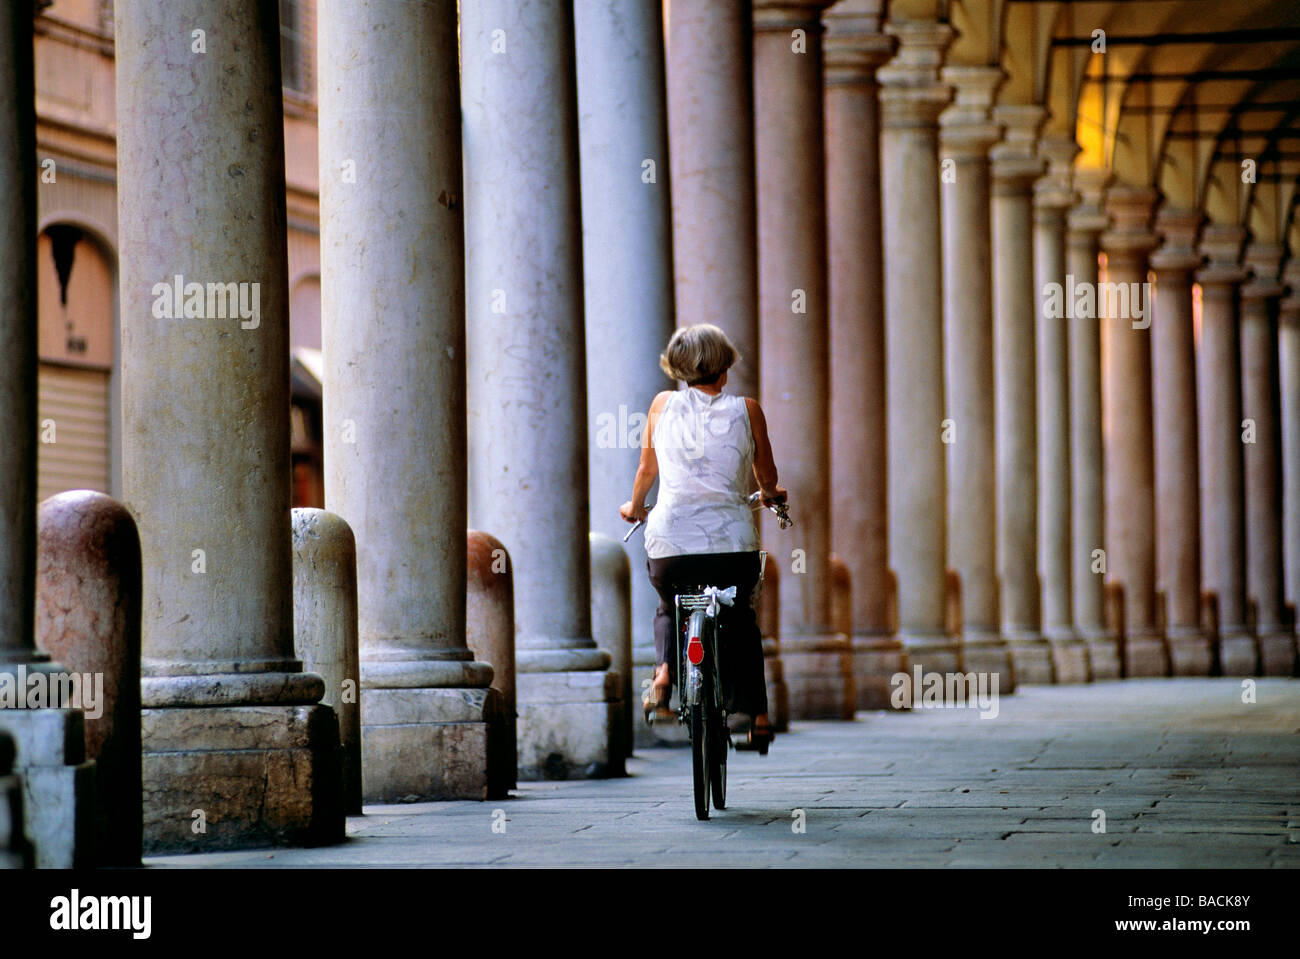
<point>740,647</point>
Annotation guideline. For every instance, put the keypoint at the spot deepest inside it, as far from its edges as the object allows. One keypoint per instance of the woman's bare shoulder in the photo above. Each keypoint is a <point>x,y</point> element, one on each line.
<point>660,399</point>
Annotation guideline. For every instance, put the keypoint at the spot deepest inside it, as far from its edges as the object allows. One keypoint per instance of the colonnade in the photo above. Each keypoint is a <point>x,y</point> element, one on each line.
<point>507,243</point>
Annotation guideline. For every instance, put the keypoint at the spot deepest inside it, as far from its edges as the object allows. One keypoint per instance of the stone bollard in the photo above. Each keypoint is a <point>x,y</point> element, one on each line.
<point>325,629</point>
<point>490,635</point>
<point>15,850</point>
<point>611,624</point>
<point>769,626</point>
<point>88,619</point>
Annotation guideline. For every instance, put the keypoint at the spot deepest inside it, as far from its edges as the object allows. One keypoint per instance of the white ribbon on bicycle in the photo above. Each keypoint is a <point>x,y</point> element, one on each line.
<point>725,596</point>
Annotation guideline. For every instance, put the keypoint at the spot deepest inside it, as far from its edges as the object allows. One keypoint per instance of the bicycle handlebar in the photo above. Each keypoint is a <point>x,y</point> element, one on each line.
<point>780,510</point>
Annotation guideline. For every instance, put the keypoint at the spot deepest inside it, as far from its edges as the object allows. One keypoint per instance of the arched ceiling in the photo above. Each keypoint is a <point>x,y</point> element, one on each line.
<point>1186,92</point>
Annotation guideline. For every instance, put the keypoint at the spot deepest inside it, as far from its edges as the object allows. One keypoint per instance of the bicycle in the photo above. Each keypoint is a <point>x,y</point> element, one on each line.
<point>700,701</point>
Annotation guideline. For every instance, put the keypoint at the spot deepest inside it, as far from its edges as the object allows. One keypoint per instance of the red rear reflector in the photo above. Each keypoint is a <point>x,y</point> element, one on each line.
<point>695,651</point>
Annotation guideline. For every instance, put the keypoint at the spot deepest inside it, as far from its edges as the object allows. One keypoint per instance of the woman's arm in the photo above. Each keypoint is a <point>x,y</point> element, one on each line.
<point>764,463</point>
<point>647,470</point>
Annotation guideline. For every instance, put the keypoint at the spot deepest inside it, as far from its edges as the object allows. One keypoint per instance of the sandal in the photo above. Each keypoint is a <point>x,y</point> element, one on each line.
<point>654,704</point>
<point>758,739</point>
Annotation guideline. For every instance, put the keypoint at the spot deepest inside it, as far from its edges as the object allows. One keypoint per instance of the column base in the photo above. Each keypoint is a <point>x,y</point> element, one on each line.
<point>818,674</point>
<point>1277,653</point>
<point>1069,655</point>
<point>983,651</point>
<point>1238,654</point>
<point>422,745</point>
<point>1031,658</point>
<point>1145,655</point>
<point>568,725</point>
<point>1103,654</point>
<point>58,785</point>
<point>255,775</point>
<point>1190,653</point>
<point>926,654</point>
<point>876,659</point>
<point>778,694</point>
<point>933,652</point>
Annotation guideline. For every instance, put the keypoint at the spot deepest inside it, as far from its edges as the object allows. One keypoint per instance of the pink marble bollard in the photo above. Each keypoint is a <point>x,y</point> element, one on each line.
<point>325,628</point>
<point>490,635</point>
<point>88,619</point>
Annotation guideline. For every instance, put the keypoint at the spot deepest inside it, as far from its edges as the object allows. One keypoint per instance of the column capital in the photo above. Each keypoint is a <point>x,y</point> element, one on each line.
<point>1054,190</point>
<point>1130,208</point>
<point>1221,244</point>
<point>911,94</point>
<point>1088,219</point>
<point>852,56</point>
<point>1016,162</point>
<point>854,44</point>
<point>776,15</point>
<point>1178,229</point>
<point>966,126</point>
<point>1289,307</point>
<point>1264,260</point>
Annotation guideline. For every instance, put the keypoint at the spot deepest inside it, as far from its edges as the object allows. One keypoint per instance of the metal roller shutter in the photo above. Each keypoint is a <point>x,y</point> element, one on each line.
<point>77,401</point>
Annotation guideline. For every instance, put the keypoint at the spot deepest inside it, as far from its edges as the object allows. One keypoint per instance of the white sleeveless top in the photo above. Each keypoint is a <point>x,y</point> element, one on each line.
<point>705,451</point>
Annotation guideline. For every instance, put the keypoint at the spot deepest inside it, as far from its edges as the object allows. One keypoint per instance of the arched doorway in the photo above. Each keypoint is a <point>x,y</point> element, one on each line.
<point>76,293</point>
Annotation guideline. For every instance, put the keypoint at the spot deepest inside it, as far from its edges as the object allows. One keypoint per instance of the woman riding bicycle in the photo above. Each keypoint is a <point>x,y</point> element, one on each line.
<point>706,448</point>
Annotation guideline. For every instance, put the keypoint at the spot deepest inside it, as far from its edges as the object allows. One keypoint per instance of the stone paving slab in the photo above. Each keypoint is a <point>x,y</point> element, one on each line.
<point>1187,775</point>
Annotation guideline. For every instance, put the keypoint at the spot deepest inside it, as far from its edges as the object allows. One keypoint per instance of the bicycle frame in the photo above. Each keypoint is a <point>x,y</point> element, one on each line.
<point>690,675</point>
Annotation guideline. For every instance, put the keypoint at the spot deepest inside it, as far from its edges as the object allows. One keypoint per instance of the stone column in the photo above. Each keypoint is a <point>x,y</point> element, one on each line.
<point>1126,405</point>
<point>793,313</point>
<point>17,335</point>
<point>852,50</point>
<point>911,99</point>
<point>1053,195</point>
<point>205,411</point>
<point>325,629</point>
<point>628,266</point>
<point>18,654</point>
<point>710,126</point>
<point>1087,507</point>
<point>965,135</point>
<point>391,245</point>
<point>527,375</point>
<point>1015,167</point>
<point>88,618</point>
<point>50,742</point>
<point>1289,389</point>
<point>715,230</point>
<point>490,634</point>
<point>1218,381</point>
<point>1260,408</point>
<point>1178,516</point>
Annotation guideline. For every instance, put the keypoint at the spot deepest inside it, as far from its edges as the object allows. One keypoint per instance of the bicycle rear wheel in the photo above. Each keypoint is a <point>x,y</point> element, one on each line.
<point>700,764</point>
<point>718,762</point>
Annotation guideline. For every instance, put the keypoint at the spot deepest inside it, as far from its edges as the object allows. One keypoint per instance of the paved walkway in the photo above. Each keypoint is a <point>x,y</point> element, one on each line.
<point>1186,774</point>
